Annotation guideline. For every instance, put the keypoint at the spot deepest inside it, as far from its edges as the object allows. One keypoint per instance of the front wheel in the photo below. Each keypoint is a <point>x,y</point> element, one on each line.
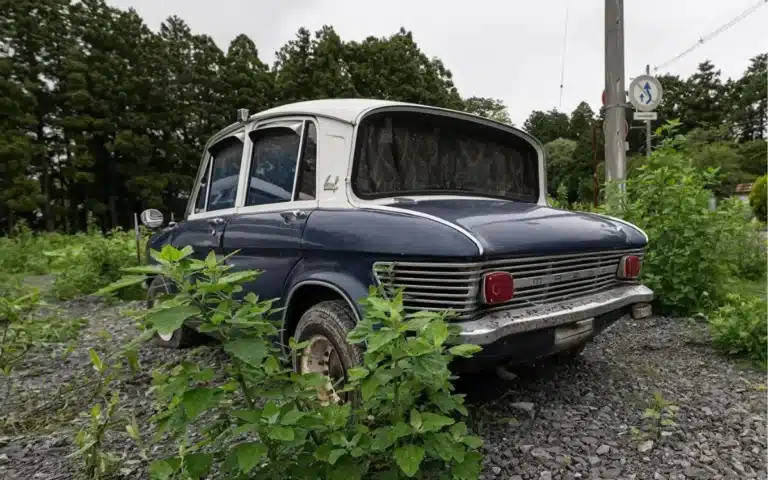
<point>181,338</point>
<point>329,353</point>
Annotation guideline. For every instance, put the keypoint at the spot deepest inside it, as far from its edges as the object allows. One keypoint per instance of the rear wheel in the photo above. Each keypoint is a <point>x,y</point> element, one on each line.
<point>325,327</point>
<point>183,337</point>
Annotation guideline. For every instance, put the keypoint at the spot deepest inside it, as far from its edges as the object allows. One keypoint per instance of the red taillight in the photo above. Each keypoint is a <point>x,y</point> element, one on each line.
<point>629,267</point>
<point>498,287</point>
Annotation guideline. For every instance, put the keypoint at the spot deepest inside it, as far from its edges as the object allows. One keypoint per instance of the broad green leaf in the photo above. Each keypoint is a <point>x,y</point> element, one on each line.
<point>281,433</point>
<point>409,458</point>
<point>357,373</point>
<point>250,416</point>
<point>335,455</point>
<point>458,430</point>
<point>168,320</point>
<point>238,277</point>
<point>249,455</point>
<point>464,350</point>
<point>418,320</point>
<point>124,282</point>
<point>249,350</point>
<point>437,333</point>
<point>381,338</point>
<point>162,469</point>
<point>198,464</point>
<point>145,269</point>
<point>271,412</point>
<point>197,400</point>
<point>469,468</point>
<point>473,441</point>
<point>442,444</point>
<point>291,417</point>
<point>416,421</point>
<point>417,347</point>
<point>383,438</point>
<point>347,468</point>
<point>433,422</point>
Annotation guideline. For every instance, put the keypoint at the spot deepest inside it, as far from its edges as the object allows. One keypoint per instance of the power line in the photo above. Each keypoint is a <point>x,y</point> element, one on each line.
<point>562,66</point>
<point>713,34</point>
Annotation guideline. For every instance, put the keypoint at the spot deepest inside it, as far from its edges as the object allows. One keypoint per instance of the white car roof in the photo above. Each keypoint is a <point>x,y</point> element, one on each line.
<point>344,109</point>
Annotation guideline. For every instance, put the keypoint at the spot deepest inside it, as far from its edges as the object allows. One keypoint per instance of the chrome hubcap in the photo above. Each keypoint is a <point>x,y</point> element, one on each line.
<point>166,337</point>
<point>321,357</point>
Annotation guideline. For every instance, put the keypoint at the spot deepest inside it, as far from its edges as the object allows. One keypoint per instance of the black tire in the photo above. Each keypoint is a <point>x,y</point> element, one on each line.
<point>571,354</point>
<point>182,338</point>
<point>331,320</point>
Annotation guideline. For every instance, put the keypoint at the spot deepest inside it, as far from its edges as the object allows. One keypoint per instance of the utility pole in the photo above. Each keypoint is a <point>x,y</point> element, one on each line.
<point>648,124</point>
<point>615,104</point>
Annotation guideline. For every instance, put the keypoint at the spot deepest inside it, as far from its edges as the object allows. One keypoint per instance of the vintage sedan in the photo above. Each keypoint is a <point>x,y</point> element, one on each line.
<point>328,197</point>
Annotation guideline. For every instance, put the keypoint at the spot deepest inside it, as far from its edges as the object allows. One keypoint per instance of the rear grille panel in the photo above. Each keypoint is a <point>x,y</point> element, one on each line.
<point>538,280</point>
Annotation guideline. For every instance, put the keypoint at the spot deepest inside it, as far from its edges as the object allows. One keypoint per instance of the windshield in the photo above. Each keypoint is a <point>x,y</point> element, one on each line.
<point>408,153</point>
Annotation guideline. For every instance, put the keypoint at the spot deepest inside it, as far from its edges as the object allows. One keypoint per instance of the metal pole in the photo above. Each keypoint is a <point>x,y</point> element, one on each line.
<point>138,238</point>
<point>594,161</point>
<point>647,124</point>
<point>615,115</point>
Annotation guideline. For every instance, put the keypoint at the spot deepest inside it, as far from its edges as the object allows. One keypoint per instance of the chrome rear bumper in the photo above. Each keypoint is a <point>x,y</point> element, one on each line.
<point>497,325</point>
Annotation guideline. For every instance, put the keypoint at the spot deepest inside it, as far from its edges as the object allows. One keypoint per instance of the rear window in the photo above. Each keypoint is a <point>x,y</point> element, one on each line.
<point>408,153</point>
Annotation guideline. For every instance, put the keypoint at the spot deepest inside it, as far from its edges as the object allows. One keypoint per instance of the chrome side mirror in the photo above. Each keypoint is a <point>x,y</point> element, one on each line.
<point>152,218</point>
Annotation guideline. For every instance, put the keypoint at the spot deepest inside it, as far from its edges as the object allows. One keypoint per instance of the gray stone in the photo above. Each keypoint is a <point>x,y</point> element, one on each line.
<point>496,470</point>
<point>645,446</point>
<point>603,449</point>
<point>541,454</point>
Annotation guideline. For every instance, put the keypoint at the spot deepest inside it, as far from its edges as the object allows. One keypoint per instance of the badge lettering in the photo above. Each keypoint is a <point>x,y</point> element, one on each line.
<point>331,186</point>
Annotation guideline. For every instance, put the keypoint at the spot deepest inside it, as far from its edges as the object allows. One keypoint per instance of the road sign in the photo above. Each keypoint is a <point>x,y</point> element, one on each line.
<point>646,116</point>
<point>645,93</point>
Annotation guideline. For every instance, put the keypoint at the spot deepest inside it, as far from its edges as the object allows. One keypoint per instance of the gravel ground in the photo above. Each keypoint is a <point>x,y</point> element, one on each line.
<point>578,420</point>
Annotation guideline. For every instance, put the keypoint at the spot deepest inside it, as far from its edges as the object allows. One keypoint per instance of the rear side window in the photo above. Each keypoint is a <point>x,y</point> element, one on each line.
<point>273,165</point>
<point>307,173</point>
<point>225,174</point>
<point>202,192</point>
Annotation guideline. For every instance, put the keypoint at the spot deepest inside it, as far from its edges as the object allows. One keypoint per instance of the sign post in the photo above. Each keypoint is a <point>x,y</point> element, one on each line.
<point>645,94</point>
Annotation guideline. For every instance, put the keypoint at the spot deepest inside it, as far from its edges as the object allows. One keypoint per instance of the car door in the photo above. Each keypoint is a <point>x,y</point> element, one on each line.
<point>216,195</point>
<point>281,185</point>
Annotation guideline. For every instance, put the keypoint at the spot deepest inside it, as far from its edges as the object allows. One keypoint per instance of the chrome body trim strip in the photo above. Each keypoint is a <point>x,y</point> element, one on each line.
<point>384,208</point>
<point>497,325</point>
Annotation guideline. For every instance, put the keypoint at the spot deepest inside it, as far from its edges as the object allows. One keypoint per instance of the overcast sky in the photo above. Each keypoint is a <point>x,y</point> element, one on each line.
<point>507,49</point>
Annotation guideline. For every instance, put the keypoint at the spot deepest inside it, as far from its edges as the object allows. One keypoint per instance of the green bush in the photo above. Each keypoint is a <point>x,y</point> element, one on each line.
<point>91,261</point>
<point>758,198</point>
<point>692,251</point>
<point>739,327</point>
<point>260,419</point>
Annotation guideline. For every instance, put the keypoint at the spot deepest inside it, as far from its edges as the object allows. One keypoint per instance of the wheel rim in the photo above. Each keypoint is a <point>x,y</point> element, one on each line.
<point>320,356</point>
<point>166,337</point>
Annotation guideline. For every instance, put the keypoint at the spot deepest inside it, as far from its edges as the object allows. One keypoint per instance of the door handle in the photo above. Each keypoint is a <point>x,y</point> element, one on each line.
<point>293,215</point>
<point>214,223</point>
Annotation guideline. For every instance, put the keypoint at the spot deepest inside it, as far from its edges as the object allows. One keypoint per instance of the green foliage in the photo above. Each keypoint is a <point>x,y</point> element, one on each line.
<point>488,108</point>
<point>261,419</point>
<point>407,393</point>
<point>739,327</point>
<point>23,328</point>
<point>81,263</point>
<point>692,250</point>
<point>658,417</point>
<point>758,198</point>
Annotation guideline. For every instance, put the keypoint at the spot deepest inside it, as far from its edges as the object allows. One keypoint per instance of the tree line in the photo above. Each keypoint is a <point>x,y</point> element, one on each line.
<point>723,124</point>
<point>101,117</point>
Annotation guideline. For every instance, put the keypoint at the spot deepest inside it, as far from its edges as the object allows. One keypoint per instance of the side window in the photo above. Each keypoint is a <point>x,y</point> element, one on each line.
<point>308,163</point>
<point>273,165</point>
<point>227,156</point>
<point>202,192</point>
